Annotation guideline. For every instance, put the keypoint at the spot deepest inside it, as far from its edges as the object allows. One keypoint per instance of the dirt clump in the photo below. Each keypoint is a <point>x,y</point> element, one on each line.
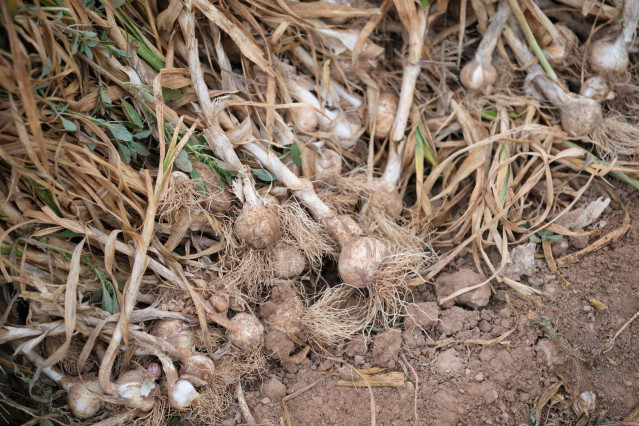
<point>448,284</point>
<point>386,347</point>
<point>273,389</point>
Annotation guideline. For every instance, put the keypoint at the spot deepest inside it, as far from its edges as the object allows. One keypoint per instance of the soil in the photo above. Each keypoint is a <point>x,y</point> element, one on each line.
<point>495,383</point>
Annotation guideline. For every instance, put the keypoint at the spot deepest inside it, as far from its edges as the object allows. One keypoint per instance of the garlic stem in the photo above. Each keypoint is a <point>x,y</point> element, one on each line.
<point>479,74</point>
<point>579,115</point>
<point>83,394</point>
<point>216,138</point>
<point>344,131</point>
<point>532,41</point>
<point>414,19</point>
<point>308,62</point>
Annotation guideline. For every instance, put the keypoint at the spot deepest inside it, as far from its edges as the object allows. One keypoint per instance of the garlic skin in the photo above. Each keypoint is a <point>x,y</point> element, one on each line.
<point>609,58</point>
<point>287,262</point>
<point>598,89</point>
<point>175,332</point>
<point>305,119</point>
<point>386,112</point>
<point>328,166</point>
<point>259,226</point>
<point>83,397</point>
<point>557,52</point>
<point>387,198</point>
<point>478,78</point>
<point>199,366</point>
<point>137,388</point>
<point>247,332</point>
<point>182,395</point>
<point>360,260</point>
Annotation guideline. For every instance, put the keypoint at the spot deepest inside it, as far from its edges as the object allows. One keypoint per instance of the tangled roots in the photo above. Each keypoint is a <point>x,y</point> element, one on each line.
<point>616,136</point>
<point>390,290</point>
<point>336,316</point>
<point>399,233</point>
<point>178,194</point>
<point>301,231</point>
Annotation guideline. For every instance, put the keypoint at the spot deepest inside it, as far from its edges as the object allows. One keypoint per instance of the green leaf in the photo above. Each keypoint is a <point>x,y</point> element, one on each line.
<point>66,234</point>
<point>5,249</point>
<point>296,154</point>
<point>263,175</point>
<point>425,3</point>
<point>171,94</point>
<point>428,153</point>
<point>183,163</point>
<point>68,124</point>
<point>143,134</point>
<point>96,296</point>
<point>200,186</point>
<point>109,299</point>
<point>118,3</point>
<point>105,97</point>
<point>125,153</point>
<point>133,114</point>
<point>139,148</point>
<point>44,194</point>
<point>119,132</point>
<point>87,51</point>
<point>488,114</point>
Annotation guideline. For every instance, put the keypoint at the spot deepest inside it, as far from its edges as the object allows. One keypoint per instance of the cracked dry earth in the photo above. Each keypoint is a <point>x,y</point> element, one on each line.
<point>488,384</point>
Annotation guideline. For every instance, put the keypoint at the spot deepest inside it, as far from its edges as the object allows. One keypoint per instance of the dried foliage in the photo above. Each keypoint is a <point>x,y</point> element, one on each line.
<point>134,133</point>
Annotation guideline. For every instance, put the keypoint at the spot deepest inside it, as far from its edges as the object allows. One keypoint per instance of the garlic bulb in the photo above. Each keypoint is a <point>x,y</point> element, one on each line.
<point>259,226</point>
<point>137,388</point>
<point>360,260</point>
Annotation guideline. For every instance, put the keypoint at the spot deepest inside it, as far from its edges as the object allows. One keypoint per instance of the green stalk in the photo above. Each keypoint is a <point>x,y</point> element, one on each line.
<point>619,175</point>
<point>533,42</point>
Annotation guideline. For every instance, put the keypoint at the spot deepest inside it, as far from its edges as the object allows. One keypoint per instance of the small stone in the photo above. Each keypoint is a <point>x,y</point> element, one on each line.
<point>551,288</point>
<point>266,401</point>
<point>325,365</point>
<point>479,377</point>
<point>449,362</point>
<point>457,319</point>
<point>510,395</point>
<point>579,242</point>
<point>560,248</point>
<point>491,396</point>
<point>522,261</point>
<point>448,284</point>
<point>359,360</point>
<point>347,373</point>
<point>273,389</point>
<point>549,353</point>
<point>485,326</point>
